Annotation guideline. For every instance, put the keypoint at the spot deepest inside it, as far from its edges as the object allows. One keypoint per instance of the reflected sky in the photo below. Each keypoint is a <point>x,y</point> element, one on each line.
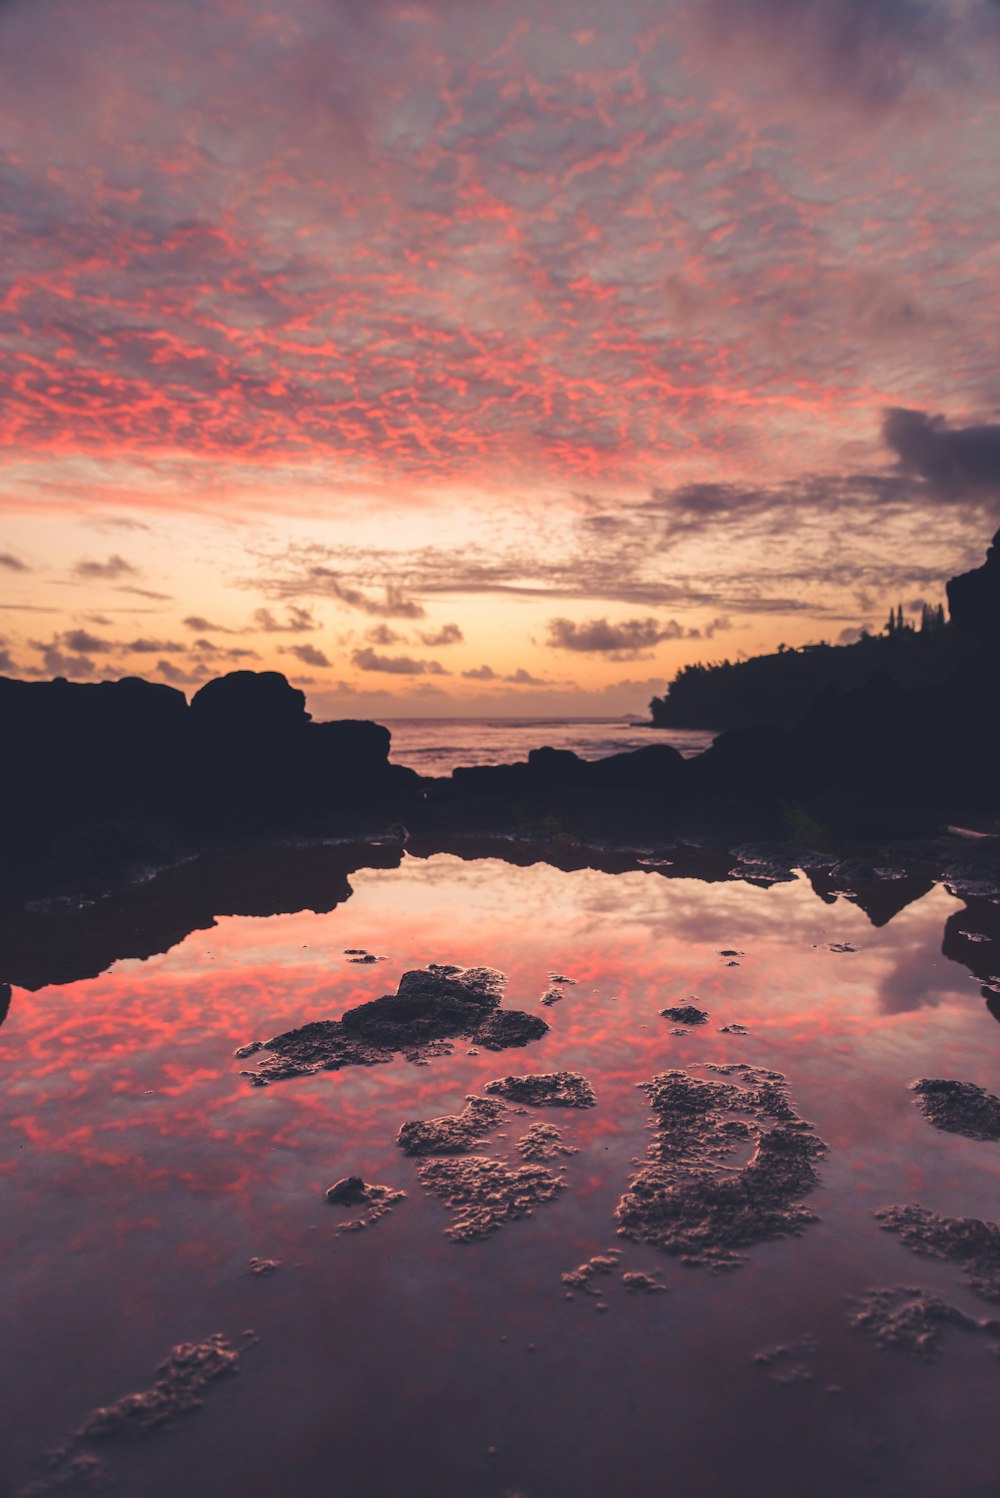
<point>139,1173</point>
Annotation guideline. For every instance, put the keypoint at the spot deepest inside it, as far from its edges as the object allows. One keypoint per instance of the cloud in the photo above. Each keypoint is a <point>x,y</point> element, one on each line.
<point>81,641</point>
<point>7,663</point>
<point>856,54</point>
<point>12,563</point>
<point>625,640</point>
<point>150,647</point>
<point>448,634</point>
<point>518,678</point>
<point>202,626</point>
<point>146,593</point>
<point>108,571</point>
<point>397,665</point>
<point>307,654</point>
<point>383,635</point>
<point>177,676</point>
<point>325,582</point>
<point>298,621</point>
<point>58,663</point>
<point>957,462</point>
<point>224,652</point>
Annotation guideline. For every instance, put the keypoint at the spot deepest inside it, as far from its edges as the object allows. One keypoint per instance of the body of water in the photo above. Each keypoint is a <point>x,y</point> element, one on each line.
<point>142,1177</point>
<point>434,746</point>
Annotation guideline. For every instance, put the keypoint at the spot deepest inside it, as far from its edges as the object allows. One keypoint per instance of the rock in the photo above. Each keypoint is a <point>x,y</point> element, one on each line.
<point>181,1381</point>
<point>642,1284</point>
<point>789,1363</point>
<point>509,1028</point>
<point>378,1202</point>
<point>968,1242</point>
<point>582,1276</point>
<point>485,1194</point>
<point>974,598</point>
<point>561,1089</point>
<point>264,1267</point>
<point>430,1008</point>
<point>349,1191</point>
<point>258,702</point>
<point>910,1320</point>
<point>543,1141</point>
<point>688,1199</point>
<point>685,1014</point>
<point>452,1134</point>
<point>959,1108</point>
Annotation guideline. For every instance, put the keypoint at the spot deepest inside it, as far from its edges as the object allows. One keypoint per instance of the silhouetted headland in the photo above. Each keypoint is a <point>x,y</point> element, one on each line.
<point>780,687</point>
<point>107,781</point>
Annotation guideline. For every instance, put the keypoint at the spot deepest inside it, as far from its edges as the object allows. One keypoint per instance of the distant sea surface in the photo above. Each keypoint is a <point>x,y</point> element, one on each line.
<point>434,746</point>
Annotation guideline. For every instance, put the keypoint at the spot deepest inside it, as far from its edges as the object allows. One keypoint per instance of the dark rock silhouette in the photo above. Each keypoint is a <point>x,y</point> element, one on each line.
<point>109,783</point>
<point>974,599</point>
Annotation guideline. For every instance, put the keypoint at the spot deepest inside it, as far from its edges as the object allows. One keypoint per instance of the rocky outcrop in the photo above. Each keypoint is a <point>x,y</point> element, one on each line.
<point>974,599</point>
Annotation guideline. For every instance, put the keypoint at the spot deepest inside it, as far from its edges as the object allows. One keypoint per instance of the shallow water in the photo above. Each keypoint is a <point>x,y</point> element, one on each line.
<point>140,1173</point>
<point>435,746</point>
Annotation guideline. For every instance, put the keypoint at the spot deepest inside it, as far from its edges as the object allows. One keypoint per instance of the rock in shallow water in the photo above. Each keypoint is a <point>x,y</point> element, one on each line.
<point>559,1089</point>
<point>181,1380</point>
<point>430,1008</point>
<point>685,1014</point>
<point>689,1199</point>
<point>484,1194</point>
<point>911,1320</point>
<point>959,1108</point>
<point>970,1243</point>
<point>452,1134</point>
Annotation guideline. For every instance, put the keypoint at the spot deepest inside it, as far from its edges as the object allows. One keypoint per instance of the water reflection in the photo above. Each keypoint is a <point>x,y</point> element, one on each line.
<point>140,1173</point>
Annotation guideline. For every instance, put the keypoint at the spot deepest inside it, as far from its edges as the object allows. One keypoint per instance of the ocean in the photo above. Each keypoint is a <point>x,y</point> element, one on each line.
<point>434,746</point>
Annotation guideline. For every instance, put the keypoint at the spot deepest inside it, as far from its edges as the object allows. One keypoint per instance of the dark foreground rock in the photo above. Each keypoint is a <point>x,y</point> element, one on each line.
<point>560,1089</point>
<point>959,1108</point>
<point>430,1008</point>
<point>689,1199</point>
<point>968,1242</point>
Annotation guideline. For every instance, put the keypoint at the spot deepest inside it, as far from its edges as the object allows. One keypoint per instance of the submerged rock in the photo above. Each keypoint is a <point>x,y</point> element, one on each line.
<point>453,1134</point>
<point>789,1363</point>
<point>685,1014</point>
<point>959,1108</point>
<point>559,1089</point>
<point>689,1199</point>
<point>484,1194</point>
<point>970,1243</point>
<point>910,1320</point>
<point>181,1380</point>
<point>430,1008</point>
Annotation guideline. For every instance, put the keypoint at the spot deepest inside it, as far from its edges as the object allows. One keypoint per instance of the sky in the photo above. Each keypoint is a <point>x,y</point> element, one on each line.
<point>477,357</point>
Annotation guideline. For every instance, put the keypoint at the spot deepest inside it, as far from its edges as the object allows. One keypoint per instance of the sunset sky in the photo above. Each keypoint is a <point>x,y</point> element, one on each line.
<point>472,357</point>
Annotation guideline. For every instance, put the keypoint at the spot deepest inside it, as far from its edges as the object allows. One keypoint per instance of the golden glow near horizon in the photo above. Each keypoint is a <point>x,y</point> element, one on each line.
<point>454,361</point>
